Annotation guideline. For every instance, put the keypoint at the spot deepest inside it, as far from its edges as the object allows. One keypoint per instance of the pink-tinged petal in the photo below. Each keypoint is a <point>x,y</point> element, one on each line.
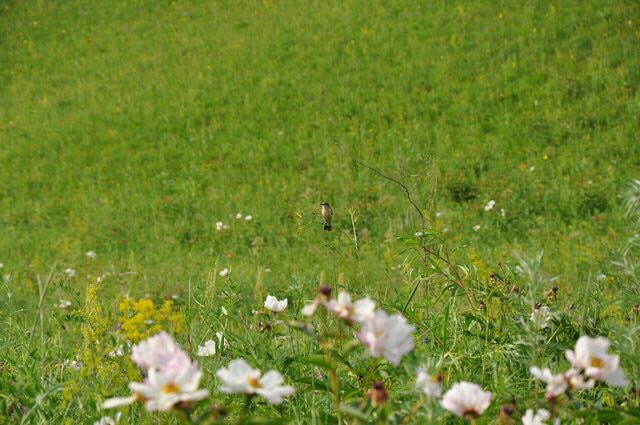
<point>571,356</point>
<point>195,395</point>
<point>119,402</point>
<point>271,378</point>
<point>616,378</point>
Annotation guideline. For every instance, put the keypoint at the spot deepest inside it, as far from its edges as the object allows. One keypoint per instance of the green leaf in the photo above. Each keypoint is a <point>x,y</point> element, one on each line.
<point>316,360</point>
<point>353,411</point>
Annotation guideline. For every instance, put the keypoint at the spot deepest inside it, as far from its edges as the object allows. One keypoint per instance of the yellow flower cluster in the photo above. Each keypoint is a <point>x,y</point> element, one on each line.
<point>142,318</point>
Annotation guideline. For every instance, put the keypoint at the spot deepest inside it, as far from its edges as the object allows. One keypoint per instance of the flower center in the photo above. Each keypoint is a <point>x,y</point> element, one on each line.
<point>470,413</point>
<point>170,387</point>
<point>254,382</point>
<point>596,362</point>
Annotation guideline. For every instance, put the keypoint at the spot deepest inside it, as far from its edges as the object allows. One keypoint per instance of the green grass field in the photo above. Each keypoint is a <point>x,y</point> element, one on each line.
<point>132,128</point>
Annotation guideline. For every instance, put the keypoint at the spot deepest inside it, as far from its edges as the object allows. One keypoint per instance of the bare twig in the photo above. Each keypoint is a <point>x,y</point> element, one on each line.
<point>399,183</point>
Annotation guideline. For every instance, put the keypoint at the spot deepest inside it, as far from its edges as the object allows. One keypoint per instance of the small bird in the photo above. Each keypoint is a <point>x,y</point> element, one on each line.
<point>327,215</point>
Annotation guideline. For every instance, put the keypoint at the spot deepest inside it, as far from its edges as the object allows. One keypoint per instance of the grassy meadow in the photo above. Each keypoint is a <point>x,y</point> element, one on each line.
<point>140,130</point>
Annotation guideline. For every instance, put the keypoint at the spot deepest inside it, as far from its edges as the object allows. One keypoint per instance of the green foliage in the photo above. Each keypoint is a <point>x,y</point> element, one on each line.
<point>132,128</point>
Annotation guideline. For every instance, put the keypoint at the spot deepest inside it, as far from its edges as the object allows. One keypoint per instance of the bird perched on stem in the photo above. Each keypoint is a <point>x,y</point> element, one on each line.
<point>327,215</point>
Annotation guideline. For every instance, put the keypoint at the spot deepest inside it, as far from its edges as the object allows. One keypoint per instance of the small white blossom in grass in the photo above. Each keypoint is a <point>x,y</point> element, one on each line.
<point>532,168</point>
<point>91,254</point>
<point>70,272</point>
<point>388,336</point>
<point>208,349</point>
<point>160,352</point>
<point>225,272</point>
<point>240,377</point>
<point>490,205</point>
<point>272,303</point>
<point>418,234</point>
<point>466,400</point>
<point>248,218</point>
<point>221,226</point>
<point>591,355</point>
<point>64,304</point>
<point>430,384</point>
<point>538,418</point>
<point>108,420</point>
<point>541,316</point>
<point>503,213</point>
<point>238,216</point>
<point>476,228</point>
<point>439,214</point>
<point>118,352</point>
<point>556,384</point>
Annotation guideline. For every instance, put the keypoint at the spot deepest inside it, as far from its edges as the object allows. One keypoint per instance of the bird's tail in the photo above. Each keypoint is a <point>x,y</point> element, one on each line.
<point>327,227</point>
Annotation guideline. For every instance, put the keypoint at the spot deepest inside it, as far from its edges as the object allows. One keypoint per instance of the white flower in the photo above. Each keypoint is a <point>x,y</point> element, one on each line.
<point>224,272</point>
<point>272,303</point>
<point>576,381</point>
<point>172,377</point>
<point>365,309</point>
<point>119,351</point>
<point>532,168</point>
<point>107,420</point>
<point>430,384</point>
<point>160,352</point>
<point>556,384</point>
<point>64,304</point>
<point>418,234</point>
<point>248,218</point>
<point>360,311</point>
<point>466,400</point>
<point>591,355</point>
<point>91,254</point>
<point>490,205</point>
<point>503,213</point>
<point>439,214</point>
<point>240,377</point>
<point>238,216</point>
<point>538,419</point>
<point>208,349</point>
<point>388,336</point>
<point>476,227</point>
<point>541,317</point>
<point>221,226</point>
<point>161,391</point>
<point>70,272</point>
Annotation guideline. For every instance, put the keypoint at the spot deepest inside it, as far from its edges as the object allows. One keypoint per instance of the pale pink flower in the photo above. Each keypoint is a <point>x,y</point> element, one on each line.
<point>466,400</point>
<point>535,419</point>
<point>591,355</point>
<point>360,311</point>
<point>430,384</point>
<point>172,377</point>
<point>388,336</point>
<point>240,377</point>
<point>160,352</point>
